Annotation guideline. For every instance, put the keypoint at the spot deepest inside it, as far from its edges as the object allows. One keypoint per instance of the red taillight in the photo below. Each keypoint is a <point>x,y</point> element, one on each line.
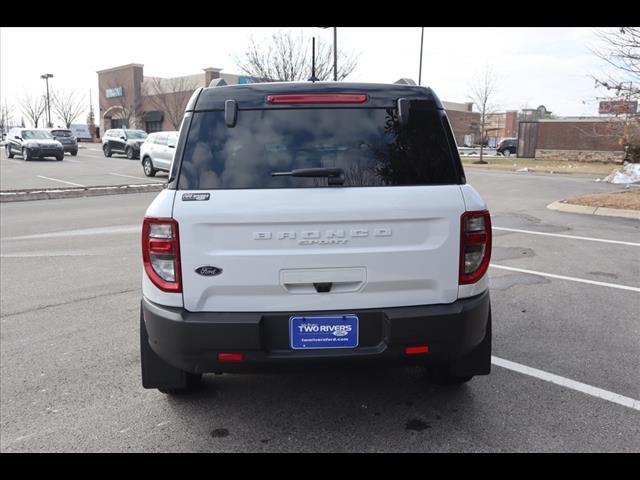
<point>161,253</point>
<point>416,350</point>
<point>315,98</point>
<point>230,357</point>
<point>475,246</point>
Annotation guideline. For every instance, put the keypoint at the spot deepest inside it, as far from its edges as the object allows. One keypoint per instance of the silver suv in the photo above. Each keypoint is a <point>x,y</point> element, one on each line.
<point>156,153</point>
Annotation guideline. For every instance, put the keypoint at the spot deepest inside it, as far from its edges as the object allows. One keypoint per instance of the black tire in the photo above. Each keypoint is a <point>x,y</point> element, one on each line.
<point>106,149</point>
<point>156,373</point>
<point>60,157</point>
<point>129,153</point>
<point>10,154</point>
<point>507,153</point>
<point>147,167</point>
<point>440,376</point>
<point>25,154</point>
<point>74,153</point>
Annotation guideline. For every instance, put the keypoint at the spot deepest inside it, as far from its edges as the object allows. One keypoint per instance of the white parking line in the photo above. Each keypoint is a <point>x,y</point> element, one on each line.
<point>573,237</point>
<point>568,383</point>
<point>62,181</point>
<point>128,176</point>
<point>571,279</point>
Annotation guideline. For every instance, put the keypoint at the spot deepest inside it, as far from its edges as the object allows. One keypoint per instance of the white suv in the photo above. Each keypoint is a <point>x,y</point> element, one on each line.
<point>156,153</point>
<point>314,224</point>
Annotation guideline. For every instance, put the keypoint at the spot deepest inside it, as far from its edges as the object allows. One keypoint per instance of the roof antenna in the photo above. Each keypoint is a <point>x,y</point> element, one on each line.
<point>313,61</point>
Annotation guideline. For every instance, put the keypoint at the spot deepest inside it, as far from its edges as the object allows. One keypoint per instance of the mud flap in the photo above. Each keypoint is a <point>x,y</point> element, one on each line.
<point>156,373</point>
<point>478,361</point>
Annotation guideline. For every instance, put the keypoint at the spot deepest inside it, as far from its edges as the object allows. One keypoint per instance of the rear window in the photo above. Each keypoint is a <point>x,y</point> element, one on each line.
<point>369,145</point>
<point>61,133</point>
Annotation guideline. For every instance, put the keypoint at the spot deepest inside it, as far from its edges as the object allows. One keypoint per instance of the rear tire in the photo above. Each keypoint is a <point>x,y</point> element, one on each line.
<point>25,154</point>
<point>156,373</point>
<point>107,151</point>
<point>507,153</point>
<point>74,153</point>
<point>10,154</point>
<point>441,376</point>
<point>147,166</point>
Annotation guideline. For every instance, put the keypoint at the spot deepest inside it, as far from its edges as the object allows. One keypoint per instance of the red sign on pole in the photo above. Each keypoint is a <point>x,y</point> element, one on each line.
<point>615,107</point>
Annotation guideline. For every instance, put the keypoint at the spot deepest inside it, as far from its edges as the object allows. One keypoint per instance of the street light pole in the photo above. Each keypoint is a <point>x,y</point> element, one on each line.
<point>421,43</point>
<point>335,54</point>
<point>46,77</point>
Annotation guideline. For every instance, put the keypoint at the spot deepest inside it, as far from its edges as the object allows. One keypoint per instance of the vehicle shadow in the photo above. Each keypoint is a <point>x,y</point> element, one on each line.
<point>344,410</point>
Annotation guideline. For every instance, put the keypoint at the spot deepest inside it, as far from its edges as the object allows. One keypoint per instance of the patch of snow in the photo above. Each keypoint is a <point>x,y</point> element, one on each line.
<point>630,173</point>
<point>525,169</point>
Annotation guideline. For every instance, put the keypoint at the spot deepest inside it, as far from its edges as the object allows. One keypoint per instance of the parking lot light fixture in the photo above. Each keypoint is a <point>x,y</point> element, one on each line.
<point>46,77</point>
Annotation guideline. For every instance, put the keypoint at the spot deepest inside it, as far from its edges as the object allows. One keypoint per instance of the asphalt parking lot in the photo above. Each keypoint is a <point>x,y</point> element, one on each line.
<point>565,292</point>
<point>89,168</point>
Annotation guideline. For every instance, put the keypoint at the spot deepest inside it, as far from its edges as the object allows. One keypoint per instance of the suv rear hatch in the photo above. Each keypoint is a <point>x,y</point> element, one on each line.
<point>387,236</point>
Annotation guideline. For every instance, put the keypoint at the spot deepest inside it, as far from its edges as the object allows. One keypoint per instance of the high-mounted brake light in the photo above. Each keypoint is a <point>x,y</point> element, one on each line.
<point>161,253</point>
<point>316,98</point>
<point>475,246</point>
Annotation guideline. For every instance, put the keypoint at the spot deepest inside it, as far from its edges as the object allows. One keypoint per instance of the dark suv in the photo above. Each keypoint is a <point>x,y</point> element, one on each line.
<point>66,138</point>
<point>33,143</point>
<point>123,140</point>
<point>507,146</point>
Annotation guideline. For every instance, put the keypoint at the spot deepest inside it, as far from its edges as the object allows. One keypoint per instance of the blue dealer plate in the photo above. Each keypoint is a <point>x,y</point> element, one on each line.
<point>326,331</point>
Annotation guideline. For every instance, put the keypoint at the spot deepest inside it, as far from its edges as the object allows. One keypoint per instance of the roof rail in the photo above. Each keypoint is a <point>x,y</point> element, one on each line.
<point>405,81</point>
<point>217,82</point>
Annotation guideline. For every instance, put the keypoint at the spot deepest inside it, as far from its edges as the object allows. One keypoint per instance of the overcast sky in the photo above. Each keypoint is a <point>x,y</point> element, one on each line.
<point>535,66</point>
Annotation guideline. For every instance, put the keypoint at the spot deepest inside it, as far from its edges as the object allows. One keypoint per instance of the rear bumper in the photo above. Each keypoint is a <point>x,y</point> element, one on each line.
<point>70,148</point>
<point>191,341</point>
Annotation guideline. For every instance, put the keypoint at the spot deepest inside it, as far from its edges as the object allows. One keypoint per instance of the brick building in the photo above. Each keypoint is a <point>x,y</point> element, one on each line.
<point>129,99</point>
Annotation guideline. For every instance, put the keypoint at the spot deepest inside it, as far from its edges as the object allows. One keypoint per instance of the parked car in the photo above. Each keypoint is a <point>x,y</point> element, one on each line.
<point>507,146</point>
<point>123,140</point>
<point>296,230</point>
<point>33,143</point>
<point>157,152</point>
<point>66,138</point>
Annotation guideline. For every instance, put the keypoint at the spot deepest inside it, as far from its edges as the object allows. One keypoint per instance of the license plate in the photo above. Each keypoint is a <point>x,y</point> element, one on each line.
<point>326,331</point>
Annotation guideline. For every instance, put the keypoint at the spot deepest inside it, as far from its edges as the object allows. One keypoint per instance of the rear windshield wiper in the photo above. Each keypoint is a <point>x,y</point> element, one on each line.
<point>335,176</point>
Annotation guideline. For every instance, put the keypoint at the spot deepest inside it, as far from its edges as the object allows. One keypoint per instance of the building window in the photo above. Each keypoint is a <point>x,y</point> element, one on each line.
<point>153,127</point>
<point>118,123</point>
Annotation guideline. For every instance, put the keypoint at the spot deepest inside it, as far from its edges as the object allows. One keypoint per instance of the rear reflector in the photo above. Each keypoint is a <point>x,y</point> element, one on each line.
<point>315,98</point>
<point>418,349</point>
<point>230,357</point>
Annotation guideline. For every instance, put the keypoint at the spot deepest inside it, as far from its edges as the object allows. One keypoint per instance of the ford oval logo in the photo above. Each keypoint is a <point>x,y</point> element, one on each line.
<point>208,271</point>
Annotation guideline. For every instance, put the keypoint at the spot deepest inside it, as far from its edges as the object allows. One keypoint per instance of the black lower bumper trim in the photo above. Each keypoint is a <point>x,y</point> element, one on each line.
<point>191,341</point>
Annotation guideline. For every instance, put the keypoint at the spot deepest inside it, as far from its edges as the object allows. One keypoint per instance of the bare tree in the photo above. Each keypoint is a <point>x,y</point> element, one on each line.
<point>67,105</point>
<point>6,116</point>
<point>171,95</point>
<point>482,95</point>
<point>33,107</point>
<point>286,57</point>
<point>620,49</point>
